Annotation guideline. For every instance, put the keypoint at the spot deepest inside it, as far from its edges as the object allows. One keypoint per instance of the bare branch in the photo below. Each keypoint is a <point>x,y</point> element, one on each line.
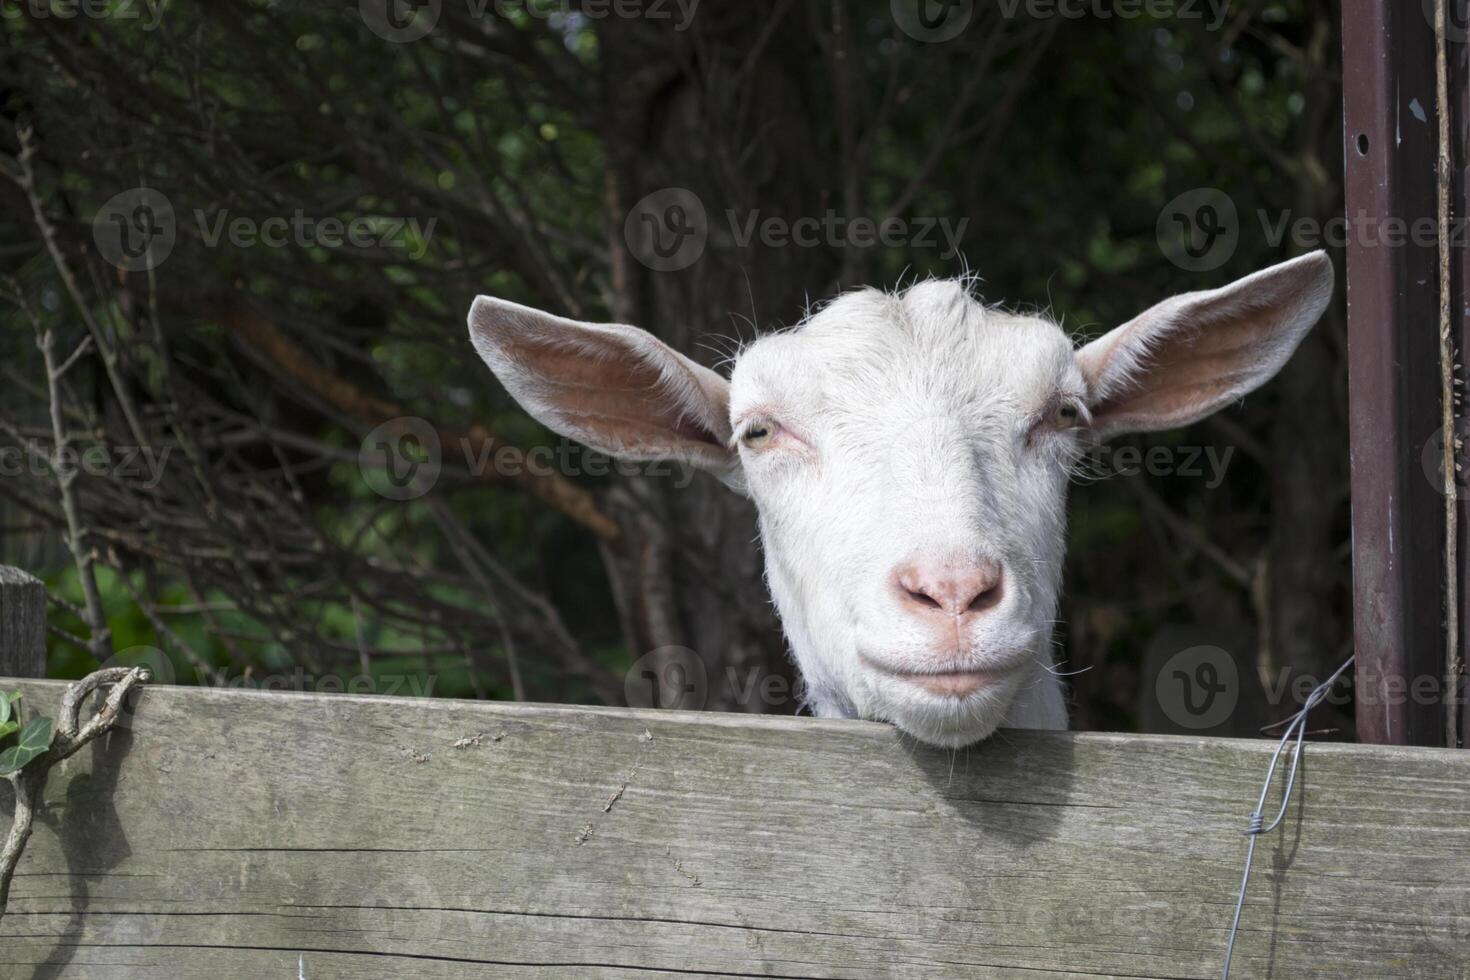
<point>71,735</point>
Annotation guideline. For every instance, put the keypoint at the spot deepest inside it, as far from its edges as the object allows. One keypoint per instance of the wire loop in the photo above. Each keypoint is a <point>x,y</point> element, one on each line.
<point>1257,826</point>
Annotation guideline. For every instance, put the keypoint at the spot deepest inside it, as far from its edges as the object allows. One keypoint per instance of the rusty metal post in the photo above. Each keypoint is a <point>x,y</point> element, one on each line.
<point>1392,140</point>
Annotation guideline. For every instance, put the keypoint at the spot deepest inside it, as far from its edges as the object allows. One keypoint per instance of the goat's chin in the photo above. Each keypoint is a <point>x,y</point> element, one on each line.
<point>942,734</point>
<point>947,730</point>
<point>947,722</point>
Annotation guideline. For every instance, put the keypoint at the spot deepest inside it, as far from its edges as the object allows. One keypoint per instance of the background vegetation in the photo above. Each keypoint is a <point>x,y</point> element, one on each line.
<point>527,138</point>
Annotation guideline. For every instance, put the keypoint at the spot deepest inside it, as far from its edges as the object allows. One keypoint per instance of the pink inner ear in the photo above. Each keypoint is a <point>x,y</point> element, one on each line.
<point>1193,354</point>
<point>1190,369</point>
<point>624,394</point>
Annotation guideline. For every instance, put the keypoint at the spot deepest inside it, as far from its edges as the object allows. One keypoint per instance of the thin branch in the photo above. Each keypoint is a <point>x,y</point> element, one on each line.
<point>65,473</point>
<point>70,736</point>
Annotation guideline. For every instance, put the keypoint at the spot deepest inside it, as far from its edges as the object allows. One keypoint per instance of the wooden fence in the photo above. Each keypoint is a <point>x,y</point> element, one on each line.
<point>333,837</point>
<point>245,835</point>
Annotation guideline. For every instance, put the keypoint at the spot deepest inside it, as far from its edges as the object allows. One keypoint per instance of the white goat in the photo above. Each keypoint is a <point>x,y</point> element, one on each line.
<point>909,457</point>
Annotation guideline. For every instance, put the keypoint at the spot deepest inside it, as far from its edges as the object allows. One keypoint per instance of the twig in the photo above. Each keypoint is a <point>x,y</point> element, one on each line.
<point>99,639</point>
<point>1184,529</point>
<point>26,182</point>
<point>71,735</point>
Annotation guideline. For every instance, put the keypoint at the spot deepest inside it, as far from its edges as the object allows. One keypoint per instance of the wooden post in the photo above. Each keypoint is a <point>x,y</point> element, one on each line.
<point>22,624</point>
<point>1399,579</point>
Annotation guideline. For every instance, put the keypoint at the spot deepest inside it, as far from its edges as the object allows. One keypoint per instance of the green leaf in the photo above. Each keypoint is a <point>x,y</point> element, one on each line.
<point>7,701</point>
<point>35,738</point>
<point>7,727</point>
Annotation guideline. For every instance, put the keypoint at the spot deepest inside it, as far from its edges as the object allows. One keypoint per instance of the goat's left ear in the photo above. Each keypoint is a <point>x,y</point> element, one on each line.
<point>1196,353</point>
<point>613,387</point>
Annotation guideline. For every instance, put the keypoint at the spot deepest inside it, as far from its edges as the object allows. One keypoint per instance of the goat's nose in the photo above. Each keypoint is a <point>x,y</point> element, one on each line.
<point>950,588</point>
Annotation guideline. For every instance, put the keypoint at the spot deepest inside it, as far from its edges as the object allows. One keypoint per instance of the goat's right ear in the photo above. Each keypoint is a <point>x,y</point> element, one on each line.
<point>615,388</point>
<point>1196,353</point>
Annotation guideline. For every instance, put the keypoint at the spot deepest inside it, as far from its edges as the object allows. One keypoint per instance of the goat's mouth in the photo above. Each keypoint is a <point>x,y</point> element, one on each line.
<point>946,683</point>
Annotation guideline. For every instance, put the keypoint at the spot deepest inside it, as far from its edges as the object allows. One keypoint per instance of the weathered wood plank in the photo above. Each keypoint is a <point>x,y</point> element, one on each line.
<point>231,833</point>
<point>22,624</point>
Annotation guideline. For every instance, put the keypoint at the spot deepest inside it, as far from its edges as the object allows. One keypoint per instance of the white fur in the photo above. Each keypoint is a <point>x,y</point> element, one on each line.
<point>919,426</point>
<point>913,441</point>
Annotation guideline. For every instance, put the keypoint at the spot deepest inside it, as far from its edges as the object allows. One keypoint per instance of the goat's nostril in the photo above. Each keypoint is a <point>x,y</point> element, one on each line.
<point>989,595</point>
<point>924,598</point>
<point>956,590</point>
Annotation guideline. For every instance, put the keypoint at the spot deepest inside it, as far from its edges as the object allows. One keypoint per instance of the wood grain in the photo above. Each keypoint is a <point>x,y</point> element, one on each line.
<point>238,835</point>
<point>22,624</point>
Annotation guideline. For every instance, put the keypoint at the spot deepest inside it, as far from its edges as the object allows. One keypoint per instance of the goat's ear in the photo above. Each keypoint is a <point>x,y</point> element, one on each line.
<point>615,388</point>
<point>1196,353</point>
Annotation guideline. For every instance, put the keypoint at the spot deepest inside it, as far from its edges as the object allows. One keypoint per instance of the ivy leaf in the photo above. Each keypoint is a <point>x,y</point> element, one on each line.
<point>7,727</point>
<point>7,702</point>
<point>35,738</point>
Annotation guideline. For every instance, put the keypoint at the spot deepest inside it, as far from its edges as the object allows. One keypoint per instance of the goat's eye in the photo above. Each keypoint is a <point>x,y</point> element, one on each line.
<point>1066,416</point>
<point>758,435</point>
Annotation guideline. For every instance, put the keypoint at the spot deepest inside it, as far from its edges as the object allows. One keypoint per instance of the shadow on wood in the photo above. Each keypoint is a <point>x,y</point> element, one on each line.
<point>249,833</point>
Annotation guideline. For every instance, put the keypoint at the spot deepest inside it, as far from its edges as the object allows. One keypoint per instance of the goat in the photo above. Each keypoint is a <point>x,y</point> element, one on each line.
<point>909,456</point>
